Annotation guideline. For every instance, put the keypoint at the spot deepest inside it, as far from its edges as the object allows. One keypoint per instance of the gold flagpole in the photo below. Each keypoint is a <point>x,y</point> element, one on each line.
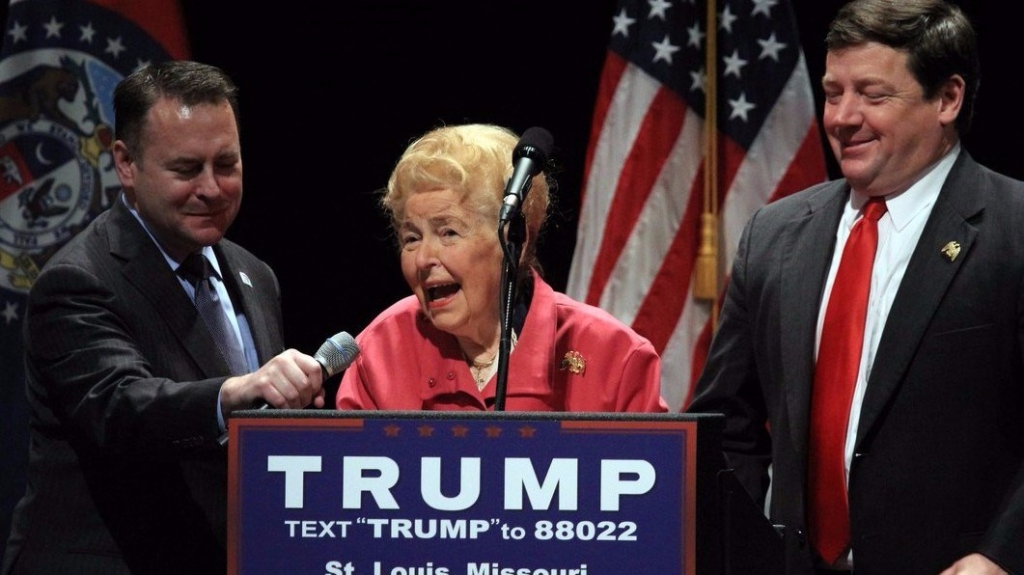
<point>706,278</point>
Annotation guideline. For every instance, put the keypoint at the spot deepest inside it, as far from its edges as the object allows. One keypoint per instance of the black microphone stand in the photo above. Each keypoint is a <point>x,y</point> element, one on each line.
<point>511,238</point>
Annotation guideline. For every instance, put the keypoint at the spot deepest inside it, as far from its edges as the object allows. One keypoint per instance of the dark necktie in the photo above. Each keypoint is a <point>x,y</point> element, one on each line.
<point>196,269</point>
<point>835,376</point>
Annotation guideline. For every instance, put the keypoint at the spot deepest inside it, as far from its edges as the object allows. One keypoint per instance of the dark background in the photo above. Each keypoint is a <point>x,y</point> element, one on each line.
<point>332,92</point>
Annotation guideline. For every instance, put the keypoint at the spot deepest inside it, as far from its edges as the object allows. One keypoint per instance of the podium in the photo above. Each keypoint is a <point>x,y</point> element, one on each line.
<point>470,493</point>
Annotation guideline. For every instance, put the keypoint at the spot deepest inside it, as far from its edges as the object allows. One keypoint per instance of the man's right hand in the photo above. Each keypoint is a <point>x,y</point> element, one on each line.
<point>290,380</point>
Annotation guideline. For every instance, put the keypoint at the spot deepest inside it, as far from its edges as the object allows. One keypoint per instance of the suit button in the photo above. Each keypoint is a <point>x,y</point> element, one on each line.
<point>801,538</point>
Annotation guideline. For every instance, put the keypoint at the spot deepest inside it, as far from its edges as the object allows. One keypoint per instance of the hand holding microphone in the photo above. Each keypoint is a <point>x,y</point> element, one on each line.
<point>290,380</point>
<point>292,375</point>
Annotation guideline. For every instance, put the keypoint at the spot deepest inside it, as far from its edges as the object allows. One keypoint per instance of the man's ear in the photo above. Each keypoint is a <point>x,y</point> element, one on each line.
<point>125,166</point>
<point>951,99</point>
<point>123,163</point>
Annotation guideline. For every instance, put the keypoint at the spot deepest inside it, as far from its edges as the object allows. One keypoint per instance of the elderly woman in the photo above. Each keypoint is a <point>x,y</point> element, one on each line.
<point>438,348</point>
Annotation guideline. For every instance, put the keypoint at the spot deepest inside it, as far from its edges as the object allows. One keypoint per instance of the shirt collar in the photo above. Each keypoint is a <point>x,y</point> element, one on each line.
<point>906,205</point>
<point>207,251</point>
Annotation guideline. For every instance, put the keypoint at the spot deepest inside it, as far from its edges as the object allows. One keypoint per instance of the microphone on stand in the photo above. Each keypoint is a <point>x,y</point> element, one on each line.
<point>334,356</point>
<point>528,158</point>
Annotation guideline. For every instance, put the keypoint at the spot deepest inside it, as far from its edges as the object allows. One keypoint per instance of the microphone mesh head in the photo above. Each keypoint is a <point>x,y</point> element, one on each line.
<point>535,143</point>
<point>337,352</point>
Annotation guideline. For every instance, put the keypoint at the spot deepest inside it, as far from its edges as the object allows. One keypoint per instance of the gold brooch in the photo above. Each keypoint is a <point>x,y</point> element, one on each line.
<point>951,249</point>
<point>574,362</point>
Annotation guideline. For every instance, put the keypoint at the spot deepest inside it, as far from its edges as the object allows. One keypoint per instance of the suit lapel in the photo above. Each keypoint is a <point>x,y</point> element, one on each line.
<point>246,298</point>
<point>926,280</point>
<point>145,268</point>
<point>807,245</point>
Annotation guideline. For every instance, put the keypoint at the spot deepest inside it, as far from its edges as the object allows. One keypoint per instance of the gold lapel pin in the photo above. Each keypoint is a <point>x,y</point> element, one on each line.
<point>951,250</point>
<point>574,362</point>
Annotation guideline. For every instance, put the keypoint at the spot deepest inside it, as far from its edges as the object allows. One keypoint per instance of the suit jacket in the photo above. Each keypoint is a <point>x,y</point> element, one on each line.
<point>937,469</point>
<point>125,472</point>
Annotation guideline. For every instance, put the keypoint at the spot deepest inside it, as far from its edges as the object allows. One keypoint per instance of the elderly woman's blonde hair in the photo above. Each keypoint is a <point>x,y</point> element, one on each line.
<point>474,160</point>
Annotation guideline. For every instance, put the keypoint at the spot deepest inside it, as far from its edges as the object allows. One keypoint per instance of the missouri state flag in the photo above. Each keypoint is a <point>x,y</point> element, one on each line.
<point>59,63</point>
<point>655,202</point>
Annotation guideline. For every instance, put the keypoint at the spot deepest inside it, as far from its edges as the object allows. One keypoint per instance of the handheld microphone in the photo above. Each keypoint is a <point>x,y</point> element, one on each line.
<point>334,356</point>
<point>528,158</point>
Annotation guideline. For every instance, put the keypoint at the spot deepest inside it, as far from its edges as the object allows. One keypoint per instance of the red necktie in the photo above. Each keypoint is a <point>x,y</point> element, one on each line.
<point>835,376</point>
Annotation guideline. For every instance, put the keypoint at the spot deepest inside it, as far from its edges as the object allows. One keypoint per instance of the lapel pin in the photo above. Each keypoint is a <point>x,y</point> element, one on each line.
<point>245,278</point>
<point>574,362</point>
<point>951,250</point>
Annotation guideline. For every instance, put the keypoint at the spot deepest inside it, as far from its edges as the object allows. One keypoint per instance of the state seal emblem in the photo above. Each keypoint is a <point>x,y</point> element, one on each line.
<point>57,76</point>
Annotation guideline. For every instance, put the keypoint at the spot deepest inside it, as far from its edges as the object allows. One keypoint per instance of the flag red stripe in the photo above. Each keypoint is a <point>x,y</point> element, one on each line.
<point>668,293</point>
<point>652,147</point>
<point>663,303</point>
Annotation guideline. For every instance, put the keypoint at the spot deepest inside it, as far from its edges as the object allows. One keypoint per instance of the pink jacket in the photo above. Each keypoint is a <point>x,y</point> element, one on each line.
<point>569,357</point>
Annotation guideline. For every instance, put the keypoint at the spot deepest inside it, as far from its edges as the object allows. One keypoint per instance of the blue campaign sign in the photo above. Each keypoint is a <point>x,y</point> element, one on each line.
<point>409,494</point>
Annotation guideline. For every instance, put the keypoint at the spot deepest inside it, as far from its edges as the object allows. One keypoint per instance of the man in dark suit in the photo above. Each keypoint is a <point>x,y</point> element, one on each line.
<point>931,437</point>
<point>129,388</point>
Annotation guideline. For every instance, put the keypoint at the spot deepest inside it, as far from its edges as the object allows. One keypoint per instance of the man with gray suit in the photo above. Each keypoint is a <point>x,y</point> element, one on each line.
<point>924,473</point>
<point>129,383</point>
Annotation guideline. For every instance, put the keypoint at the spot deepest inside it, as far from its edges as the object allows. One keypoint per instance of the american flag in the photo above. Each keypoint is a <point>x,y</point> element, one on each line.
<point>644,184</point>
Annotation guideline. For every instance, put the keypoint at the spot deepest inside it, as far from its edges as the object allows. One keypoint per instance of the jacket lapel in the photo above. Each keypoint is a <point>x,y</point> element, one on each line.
<point>145,268</point>
<point>926,280</point>
<point>807,245</point>
<point>246,299</point>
